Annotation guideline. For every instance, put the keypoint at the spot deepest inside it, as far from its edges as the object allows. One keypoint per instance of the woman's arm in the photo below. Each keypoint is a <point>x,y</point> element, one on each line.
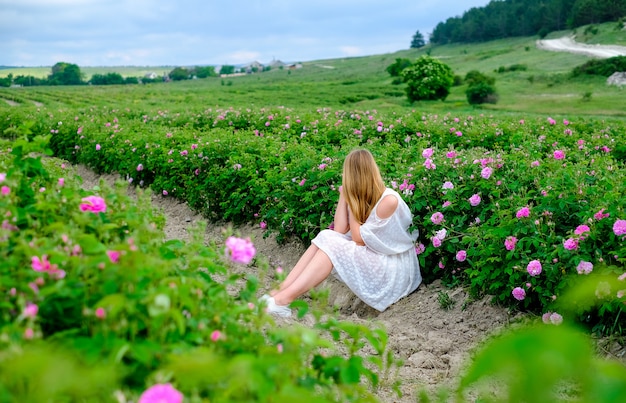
<point>341,215</point>
<point>355,230</point>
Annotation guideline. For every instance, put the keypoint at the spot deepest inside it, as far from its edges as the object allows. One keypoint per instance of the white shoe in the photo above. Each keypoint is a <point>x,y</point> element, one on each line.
<point>278,310</point>
<point>264,298</point>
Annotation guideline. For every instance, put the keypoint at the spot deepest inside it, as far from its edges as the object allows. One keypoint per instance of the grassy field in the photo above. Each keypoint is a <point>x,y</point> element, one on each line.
<point>362,83</point>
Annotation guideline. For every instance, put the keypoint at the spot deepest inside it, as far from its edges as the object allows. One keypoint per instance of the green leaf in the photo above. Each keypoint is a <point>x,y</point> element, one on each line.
<point>90,245</point>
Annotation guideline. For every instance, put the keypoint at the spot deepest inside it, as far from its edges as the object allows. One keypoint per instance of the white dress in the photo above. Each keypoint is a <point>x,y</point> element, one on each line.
<point>386,268</point>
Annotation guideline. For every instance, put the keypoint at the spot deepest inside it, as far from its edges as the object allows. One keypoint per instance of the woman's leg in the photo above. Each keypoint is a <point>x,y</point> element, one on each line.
<point>297,269</point>
<point>316,271</point>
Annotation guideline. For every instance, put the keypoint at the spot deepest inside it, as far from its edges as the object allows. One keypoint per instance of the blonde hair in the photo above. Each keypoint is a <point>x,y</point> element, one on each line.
<point>363,185</point>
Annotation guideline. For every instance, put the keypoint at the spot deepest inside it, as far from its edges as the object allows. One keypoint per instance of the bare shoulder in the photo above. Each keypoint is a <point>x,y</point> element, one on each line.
<point>387,206</point>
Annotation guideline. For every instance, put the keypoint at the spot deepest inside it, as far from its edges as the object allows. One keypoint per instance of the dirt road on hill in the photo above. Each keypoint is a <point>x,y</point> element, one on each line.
<point>568,44</point>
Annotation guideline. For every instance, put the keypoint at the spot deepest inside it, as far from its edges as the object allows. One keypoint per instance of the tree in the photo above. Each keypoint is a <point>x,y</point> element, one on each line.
<point>396,68</point>
<point>226,69</point>
<point>179,73</point>
<point>107,79</point>
<point>6,81</point>
<point>205,71</point>
<point>428,79</point>
<point>65,74</point>
<point>418,41</point>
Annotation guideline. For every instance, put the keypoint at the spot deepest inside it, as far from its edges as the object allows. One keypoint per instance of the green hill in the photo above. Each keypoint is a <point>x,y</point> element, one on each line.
<point>362,83</point>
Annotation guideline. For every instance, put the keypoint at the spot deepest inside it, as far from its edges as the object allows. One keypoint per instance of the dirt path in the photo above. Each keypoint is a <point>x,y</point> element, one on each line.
<point>433,343</point>
<point>10,102</point>
<point>568,44</point>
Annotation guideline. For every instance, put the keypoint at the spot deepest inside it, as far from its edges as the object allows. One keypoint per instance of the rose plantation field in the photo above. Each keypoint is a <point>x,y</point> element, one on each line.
<point>527,209</point>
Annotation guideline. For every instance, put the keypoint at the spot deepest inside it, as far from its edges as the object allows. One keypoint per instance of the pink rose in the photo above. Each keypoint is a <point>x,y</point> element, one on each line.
<point>534,268</point>
<point>519,293</point>
<point>474,200</point>
<point>523,212</point>
<point>240,250</point>
<point>437,218</point>
<point>161,393</point>
<point>95,204</point>
<point>584,267</point>
<point>570,244</point>
<point>461,255</point>
<point>510,242</point>
<point>619,228</point>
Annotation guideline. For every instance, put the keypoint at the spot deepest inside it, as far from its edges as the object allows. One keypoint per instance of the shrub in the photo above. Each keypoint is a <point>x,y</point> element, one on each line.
<point>395,69</point>
<point>601,67</point>
<point>428,79</point>
<point>513,67</point>
<point>481,93</point>
<point>475,76</point>
<point>98,304</point>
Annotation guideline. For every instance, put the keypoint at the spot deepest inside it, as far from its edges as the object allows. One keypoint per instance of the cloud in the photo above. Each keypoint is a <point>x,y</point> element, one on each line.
<point>189,32</point>
<point>351,50</point>
<point>242,56</point>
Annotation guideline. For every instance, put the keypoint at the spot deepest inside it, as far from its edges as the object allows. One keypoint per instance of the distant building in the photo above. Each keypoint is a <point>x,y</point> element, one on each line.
<point>276,64</point>
<point>295,66</point>
<point>253,67</point>
<point>151,75</point>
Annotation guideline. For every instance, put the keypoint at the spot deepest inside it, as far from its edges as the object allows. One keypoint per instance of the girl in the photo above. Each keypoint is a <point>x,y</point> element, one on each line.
<point>369,248</point>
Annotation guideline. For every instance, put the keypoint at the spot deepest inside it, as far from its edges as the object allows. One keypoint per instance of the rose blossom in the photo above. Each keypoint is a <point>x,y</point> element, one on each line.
<point>584,267</point>
<point>556,319</point>
<point>523,212</point>
<point>570,244</point>
<point>436,242</point>
<point>519,293</point>
<point>510,242</point>
<point>534,268</point>
<point>216,335</point>
<point>95,204</point>
<point>240,250</point>
<point>30,311</point>
<point>420,248</point>
<point>581,229</point>
<point>474,200</point>
<point>600,215</point>
<point>559,155</point>
<point>427,153</point>
<point>437,218</point>
<point>486,172</point>
<point>461,255</point>
<point>619,228</point>
<point>161,393</point>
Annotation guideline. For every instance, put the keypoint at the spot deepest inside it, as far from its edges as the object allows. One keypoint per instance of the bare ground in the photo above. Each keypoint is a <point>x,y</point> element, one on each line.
<point>433,343</point>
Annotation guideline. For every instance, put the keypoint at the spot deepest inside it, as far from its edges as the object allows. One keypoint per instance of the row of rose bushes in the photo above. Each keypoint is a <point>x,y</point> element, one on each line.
<point>96,306</point>
<point>514,207</point>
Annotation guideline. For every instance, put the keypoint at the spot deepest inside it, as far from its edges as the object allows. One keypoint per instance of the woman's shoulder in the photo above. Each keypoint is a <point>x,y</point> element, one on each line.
<point>387,204</point>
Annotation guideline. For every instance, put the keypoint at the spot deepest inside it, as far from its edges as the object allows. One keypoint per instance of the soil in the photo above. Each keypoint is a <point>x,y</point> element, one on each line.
<point>434,343</point>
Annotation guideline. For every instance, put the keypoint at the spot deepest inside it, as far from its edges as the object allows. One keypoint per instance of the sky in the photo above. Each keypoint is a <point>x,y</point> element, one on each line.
<point>209,32</point>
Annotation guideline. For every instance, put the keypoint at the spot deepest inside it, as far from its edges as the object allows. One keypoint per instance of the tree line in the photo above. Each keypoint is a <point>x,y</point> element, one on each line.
<point>63,73</point>
<point>69,74</point>
<point>510,18</point>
